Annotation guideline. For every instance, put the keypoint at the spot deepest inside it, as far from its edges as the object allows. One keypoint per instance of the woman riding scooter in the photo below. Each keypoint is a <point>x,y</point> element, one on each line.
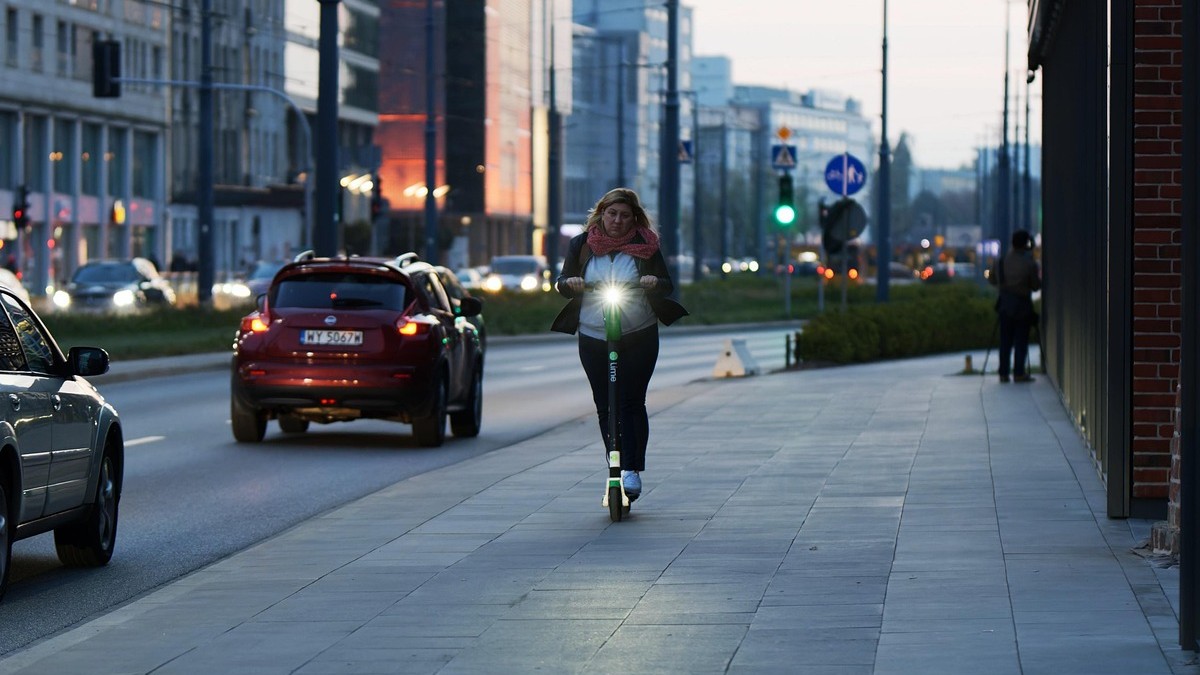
<point>619,246</point>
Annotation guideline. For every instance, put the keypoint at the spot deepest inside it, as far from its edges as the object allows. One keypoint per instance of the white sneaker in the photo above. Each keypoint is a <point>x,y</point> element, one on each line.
<point>632,482</point>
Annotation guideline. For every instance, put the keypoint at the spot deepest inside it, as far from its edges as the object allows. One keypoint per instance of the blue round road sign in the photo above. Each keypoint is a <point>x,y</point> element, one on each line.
<point>845,174</point>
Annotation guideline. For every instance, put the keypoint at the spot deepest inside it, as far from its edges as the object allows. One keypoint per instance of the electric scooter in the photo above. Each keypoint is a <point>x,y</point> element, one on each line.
<point>615,499</point>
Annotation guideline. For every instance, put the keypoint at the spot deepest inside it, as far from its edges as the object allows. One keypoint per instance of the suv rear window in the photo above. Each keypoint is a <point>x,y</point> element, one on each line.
<point>341,290</point>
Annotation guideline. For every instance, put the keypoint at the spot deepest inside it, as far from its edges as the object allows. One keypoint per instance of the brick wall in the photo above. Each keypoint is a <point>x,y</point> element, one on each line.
<point>1157,293</point>
<point>1164,536</point>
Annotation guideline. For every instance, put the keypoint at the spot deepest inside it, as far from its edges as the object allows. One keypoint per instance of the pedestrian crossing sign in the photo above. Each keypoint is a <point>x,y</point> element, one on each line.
<point>783,156</point>
<point>685,152</point>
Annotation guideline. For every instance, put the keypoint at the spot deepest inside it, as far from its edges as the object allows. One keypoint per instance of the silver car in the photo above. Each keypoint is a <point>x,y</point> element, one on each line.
<point>62,452</point>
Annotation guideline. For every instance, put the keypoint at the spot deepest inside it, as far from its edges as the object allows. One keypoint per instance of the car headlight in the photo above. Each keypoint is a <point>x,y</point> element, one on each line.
<point>233,288</point>
<point>62,299</point>
<point>123,298</point>
<point>493,284</point>
<point>529,282</point>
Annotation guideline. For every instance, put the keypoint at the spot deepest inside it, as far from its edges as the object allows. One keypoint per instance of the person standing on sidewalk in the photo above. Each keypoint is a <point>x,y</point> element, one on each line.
<point>1017,276</point>
<point>619,245</point>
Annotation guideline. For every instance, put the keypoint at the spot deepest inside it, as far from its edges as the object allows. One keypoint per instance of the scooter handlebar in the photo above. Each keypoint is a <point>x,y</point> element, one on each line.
<point>593,286</point>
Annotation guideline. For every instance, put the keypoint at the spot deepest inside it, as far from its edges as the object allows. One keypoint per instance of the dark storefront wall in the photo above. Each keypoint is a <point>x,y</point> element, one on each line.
<point>1189,572</point>
<point>1084,333</point>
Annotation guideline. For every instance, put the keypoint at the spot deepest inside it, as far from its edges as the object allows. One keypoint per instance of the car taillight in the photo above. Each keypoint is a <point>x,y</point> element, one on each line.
<point>255,323</point>
<point>853,273</point>
<point>409,327</point>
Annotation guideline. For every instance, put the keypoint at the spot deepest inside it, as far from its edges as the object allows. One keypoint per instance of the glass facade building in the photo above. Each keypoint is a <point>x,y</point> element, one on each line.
<point>84,161</point>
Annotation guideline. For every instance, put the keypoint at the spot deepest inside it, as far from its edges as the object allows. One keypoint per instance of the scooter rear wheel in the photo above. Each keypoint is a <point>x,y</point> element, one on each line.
<point>615,509</point>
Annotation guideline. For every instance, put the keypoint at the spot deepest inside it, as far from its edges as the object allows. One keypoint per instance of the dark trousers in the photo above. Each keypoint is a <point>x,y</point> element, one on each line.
<point>1014,346</point>
<point>638,353</point>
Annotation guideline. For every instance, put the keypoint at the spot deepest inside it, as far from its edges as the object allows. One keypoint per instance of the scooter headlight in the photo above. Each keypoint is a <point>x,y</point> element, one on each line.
<point>612,295</point>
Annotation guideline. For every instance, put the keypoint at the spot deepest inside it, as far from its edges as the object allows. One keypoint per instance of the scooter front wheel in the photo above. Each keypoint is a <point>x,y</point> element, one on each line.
<point>616,510</point>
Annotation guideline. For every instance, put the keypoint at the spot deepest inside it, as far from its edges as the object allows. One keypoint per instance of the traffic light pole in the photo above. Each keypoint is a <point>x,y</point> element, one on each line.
<point>668,188</point>
<point>204,174</point>
<point>431,214</point>
<point>883,249</point>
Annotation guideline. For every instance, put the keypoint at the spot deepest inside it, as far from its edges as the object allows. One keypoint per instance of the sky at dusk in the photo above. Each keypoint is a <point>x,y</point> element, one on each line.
<point>945,62</point>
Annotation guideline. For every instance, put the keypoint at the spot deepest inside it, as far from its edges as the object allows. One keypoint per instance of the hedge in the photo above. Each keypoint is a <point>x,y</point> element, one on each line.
<point>937,319</point>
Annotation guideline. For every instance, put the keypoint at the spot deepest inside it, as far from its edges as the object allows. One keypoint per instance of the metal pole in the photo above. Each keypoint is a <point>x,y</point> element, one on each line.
<point>204,176</point>
<point>1027,219</point>
<point>325,229</point>
<point>883,248</point>
<point>621,182</point>
<point>1017,218</point>
<point>1002,170</point>
<point>697,230</point>
<point>554,167</point>
<point>668,186</point>
<point>724,229</point>
<point>1189,479</point>
<point>431,214</point>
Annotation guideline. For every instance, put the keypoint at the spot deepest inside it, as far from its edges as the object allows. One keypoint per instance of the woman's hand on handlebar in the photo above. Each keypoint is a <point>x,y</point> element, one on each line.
<point>648,282</point>
<point>576,284</point>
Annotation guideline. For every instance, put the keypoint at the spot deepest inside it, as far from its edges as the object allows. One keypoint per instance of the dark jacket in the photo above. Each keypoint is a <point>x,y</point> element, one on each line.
<point>1018,277</point>
<point>1017,273</point>
<point>578,254</point>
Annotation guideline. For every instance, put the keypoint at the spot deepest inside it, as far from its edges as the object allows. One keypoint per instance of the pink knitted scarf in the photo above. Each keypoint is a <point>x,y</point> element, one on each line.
<point>602,244</point>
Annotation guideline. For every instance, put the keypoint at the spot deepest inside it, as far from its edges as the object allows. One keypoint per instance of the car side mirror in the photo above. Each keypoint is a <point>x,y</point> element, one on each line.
<point>88,361</point>
<point>261,302</point>
<point>470,306</point>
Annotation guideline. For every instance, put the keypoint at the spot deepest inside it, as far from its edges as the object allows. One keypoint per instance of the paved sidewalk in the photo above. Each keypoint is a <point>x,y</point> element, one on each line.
<point>888,518</point>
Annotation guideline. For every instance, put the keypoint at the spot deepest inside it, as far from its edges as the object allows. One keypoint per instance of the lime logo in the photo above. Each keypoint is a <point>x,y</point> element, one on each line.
<point>612,356</point>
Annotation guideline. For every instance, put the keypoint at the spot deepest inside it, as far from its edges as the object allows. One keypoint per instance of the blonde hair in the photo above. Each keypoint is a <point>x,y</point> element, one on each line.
<point>619,196</point>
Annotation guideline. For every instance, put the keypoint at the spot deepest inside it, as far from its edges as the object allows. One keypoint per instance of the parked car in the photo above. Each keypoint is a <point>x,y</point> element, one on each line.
<point>252,283</point>
<point>127,285</point>
<point>457,291</point>
<point>10,281</point>
<point>470,278</point>
<point>948,271</point>
<point>61,449</point>
<point>519,273</point>
<point>341,339</point>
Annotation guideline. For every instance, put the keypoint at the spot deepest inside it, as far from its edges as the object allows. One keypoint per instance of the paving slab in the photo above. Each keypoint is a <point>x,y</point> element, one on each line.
<point>891,518</point>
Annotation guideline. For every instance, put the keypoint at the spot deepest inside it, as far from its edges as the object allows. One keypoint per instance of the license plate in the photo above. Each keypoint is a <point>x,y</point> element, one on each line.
<point>331,337</point>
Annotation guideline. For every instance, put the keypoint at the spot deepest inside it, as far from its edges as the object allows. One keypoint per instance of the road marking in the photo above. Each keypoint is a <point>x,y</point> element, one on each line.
<point>144,440</point>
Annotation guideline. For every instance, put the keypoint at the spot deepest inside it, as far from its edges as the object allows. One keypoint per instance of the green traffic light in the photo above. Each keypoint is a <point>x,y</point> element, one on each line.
<point>785,214</point>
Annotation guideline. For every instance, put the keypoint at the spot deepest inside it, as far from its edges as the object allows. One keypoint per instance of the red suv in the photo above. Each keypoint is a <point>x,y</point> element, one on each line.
<point>340,339</point>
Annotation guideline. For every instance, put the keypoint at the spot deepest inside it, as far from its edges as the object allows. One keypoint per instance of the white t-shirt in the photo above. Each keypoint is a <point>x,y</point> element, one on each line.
<point>636,313</point>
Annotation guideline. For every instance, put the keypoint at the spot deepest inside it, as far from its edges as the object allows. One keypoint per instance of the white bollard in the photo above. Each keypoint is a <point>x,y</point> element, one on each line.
<point>735,361</point>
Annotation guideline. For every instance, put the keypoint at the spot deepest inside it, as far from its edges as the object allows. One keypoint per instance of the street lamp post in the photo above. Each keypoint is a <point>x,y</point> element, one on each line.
<point>697,234</point>
<point>431,251</point>
<point>668,187</point>
<point>883,248</point>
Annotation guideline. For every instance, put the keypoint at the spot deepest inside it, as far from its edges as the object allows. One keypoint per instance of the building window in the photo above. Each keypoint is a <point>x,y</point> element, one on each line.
<point>61,155</point>
<point>143,164</point>
<point>63,62</point>
<point>89,160</point>
<point>81,52</point>
<point>8,138</point>
<point>115,160</point>
<point>35,53</point>
<point>35,152</point>
<point>10,37</point>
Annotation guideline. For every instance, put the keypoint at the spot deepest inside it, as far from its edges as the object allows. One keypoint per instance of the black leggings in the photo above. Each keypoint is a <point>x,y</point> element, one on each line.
<point>638,354</point>
<point>1014,346</point>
